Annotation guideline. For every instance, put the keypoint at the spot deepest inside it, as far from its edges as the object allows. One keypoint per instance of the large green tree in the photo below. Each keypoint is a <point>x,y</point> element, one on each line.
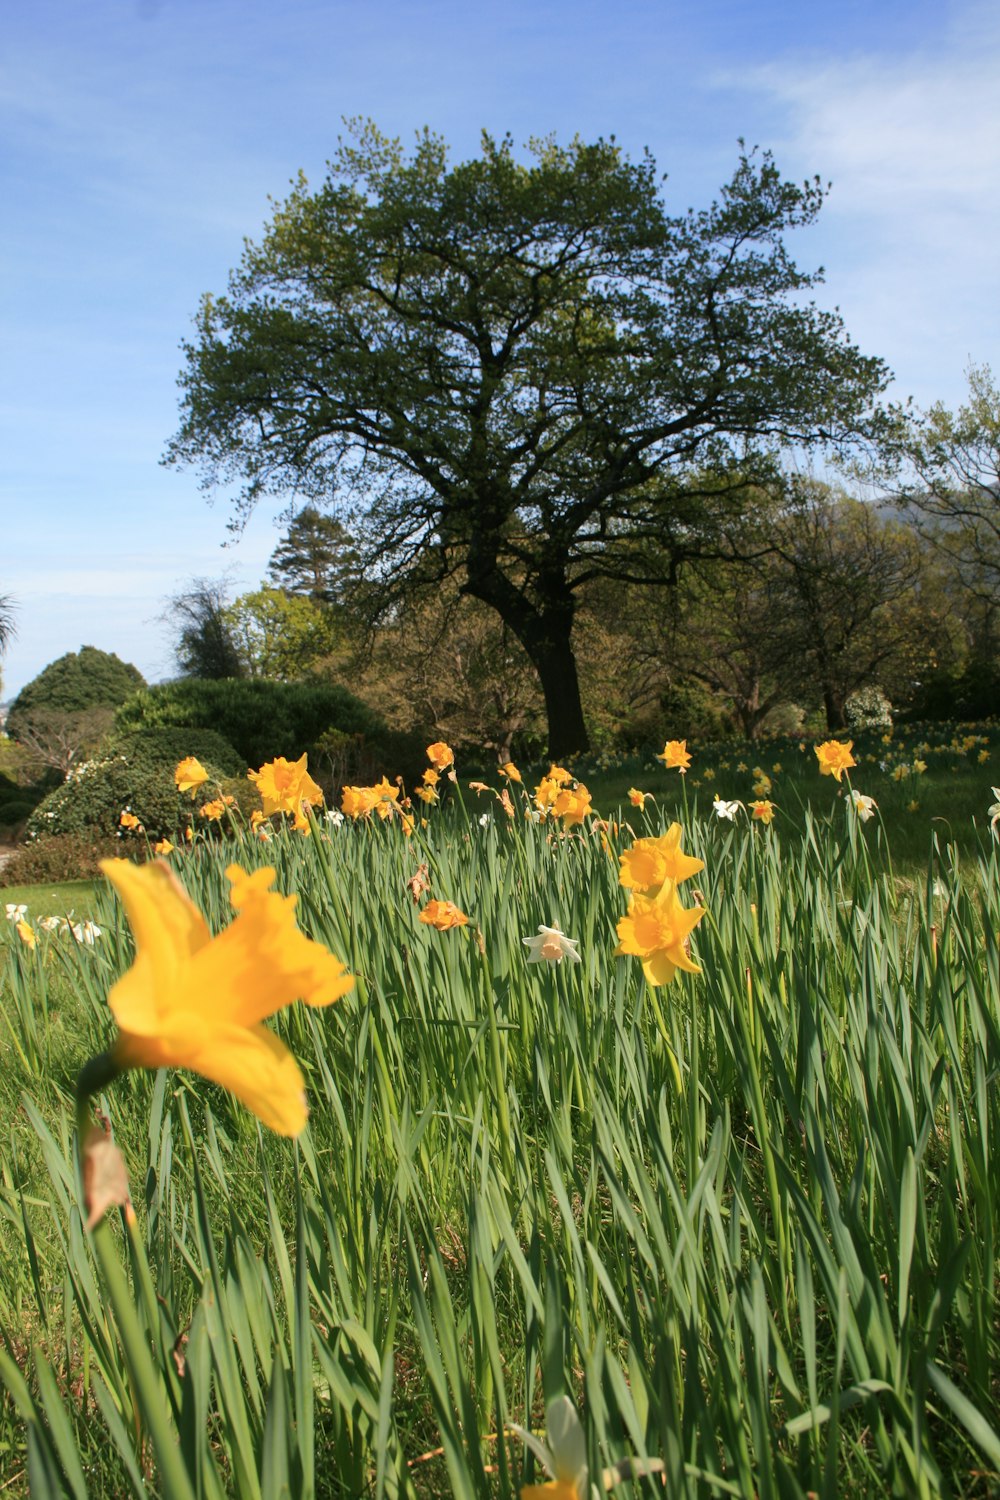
<point>517,368</point>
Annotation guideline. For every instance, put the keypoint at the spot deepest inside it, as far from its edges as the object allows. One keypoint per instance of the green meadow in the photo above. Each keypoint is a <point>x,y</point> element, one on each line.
<point>744,1225</point>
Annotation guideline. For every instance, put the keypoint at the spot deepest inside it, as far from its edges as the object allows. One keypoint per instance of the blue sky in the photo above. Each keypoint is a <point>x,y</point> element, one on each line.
<point>143,137</point>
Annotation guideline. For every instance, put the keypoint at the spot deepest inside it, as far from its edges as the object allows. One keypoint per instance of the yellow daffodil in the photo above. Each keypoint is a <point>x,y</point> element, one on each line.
<point>189,775</point>
<point>506,803</point>
<point>195,1001</point>
<point>656,930</point>
<point>546,793</point>
<point>431,777</point>
<point>650,862</point>
<point>440,755</point>
<point>835,758</point>
<point>426,794</point>
<point>572,804</point>
<point>552,1489</point>
<point>509,770</point>
<point>763,811</point>
<point>637,798</point>
<point>443,915</point>
<point>675,756</point>
<point>25,932</point>
<point>163,846</point>
<point>559,775</point>
<point>129,820</point>
<point>213,810</point>
<point>284,786</point>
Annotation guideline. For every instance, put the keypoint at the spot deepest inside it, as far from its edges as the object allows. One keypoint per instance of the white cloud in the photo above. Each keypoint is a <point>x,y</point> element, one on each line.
<point>911,143</point>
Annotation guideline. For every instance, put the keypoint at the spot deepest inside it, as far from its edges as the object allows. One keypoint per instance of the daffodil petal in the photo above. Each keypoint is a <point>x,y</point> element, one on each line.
<point>169,930</point>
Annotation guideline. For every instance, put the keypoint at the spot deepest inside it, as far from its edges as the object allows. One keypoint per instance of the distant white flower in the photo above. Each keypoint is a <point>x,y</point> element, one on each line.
<point>727,810</point>
<point>864,806</point>
<point>551,947</point>
<point>15,913</point>
<point>50,924</point>
<point>485,819</point>
<point>335,817</point>
<point>85,932</point>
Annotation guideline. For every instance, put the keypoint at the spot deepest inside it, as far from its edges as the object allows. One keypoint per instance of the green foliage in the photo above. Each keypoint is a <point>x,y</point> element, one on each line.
<point>536,371</point>
<point>315,558</point>
<point>137,773</point>
<point>83,679</point>
<point>65,857</point>
<point>280,636</point>
<point>261,719</point>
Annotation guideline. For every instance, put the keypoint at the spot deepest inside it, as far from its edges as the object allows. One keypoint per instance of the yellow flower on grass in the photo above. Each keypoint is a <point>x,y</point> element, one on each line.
<point>763,810</point>
<point>215,809</point>
<point>650,862</point>
<point>835,758</point>
<point>675,755</point>
<point>572,804</point>
<point>637,798</point>
<point>559,775</point>
<point>190,774</point>
<point>195,1001</point>
<point>426,793</point>
<point>440,755</point>
<point>129,820</point>
<point>546,793</point>
<point>284,786</point>
<point>25,932</point>
<point>656,930</point>
<point>443,915</point>
<point>163,846</point>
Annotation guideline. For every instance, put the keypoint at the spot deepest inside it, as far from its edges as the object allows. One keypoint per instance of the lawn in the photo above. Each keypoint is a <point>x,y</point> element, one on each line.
<point>743,1224</point>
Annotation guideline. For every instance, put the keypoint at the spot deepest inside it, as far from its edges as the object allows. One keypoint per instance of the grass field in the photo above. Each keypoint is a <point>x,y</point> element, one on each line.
<point>747,1221</point>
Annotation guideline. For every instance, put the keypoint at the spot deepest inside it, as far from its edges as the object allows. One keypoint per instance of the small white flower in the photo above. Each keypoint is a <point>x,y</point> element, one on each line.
<point>485,819</point>
<point>15,913</point>
<point>995,809</point>
<point>335,817</point>
<point>723,809</point>
<point>864,806</point>
<point>50,924</point>
<point>551,946</point>
<point>85,932</point>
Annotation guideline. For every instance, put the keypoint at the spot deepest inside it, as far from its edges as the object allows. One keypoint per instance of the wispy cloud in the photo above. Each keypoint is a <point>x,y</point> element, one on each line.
<point>911,142</point>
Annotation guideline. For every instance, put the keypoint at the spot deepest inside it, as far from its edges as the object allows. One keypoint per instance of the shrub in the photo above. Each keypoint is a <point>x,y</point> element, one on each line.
<point>71,856</point>
<point>261,719</point>
<point>80,680</point>
<point>137,773</point>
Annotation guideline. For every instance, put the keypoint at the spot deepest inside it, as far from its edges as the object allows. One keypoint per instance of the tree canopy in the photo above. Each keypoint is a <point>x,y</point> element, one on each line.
<point>525,374</point>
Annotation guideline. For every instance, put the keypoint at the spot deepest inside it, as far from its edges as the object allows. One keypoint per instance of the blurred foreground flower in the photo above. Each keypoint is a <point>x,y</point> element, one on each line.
<point>564,1456</point>
<point>189,775</point>
<point>443,915</point>
<point>835,758</point>
<point>551,946</point>
<point>994,815</point>
<point>195,1001</point>
<point>675,756</point>
<point>25,932</point>
<point>17,910</point>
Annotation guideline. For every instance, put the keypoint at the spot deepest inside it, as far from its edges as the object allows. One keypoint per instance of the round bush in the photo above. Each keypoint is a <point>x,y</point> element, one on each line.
<point>137,774</point>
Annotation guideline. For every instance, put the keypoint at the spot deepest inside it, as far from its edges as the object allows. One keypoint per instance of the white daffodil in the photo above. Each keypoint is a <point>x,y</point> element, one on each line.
<point>994,815</point>
<point>15,913</point>
<point>863,806</point>
<point>335,817</point>
<point>50,924</point>
<point>485,819</point>
<point>724,809</point>
<point>85,932</point>
<point>551,946</point>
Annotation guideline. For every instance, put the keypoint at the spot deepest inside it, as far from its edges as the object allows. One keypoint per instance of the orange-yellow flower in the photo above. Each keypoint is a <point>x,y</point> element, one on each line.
<point>195,1001</point>
<point>256,819</point>
<point>546,793</point>
<point>190,774</point>
<point>385,796</point>
<point>440,755</point>
<point>763,810</point>
<point>213,810</point>
<point>443,915</point>
<point>426,794</point>
<point>552,1489</point>
<point>559,775</point>
<point>163,846</point>
<point>650,862</point>
<point>25,932</point>
<point>572,804</point>
<point>129,820</point>
<point>431,777</point>
<point>835,758</point>
<point>637,798</point>
<point>509,770</point>
<point>675,755</point>
<point>656,930</point>
<point>284,786</point>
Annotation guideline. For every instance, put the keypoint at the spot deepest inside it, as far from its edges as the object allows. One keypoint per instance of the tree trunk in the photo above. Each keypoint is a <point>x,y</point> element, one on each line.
<point>556,668</point>
<point>833,702</point>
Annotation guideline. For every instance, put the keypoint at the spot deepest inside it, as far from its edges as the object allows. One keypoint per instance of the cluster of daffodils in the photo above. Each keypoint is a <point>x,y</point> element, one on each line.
<point>558,795</point>
<point>656,928</point>
<point>85,932</point>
